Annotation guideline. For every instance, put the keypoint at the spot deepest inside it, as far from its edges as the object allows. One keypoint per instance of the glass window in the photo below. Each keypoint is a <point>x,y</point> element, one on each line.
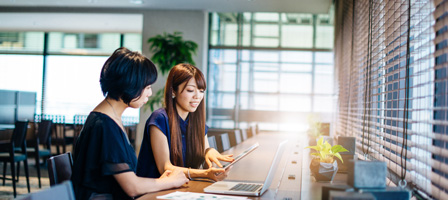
<point>300,36</point>
<point>222,78</point>
<point>297,56</point>
<point>22,73</point>
<point>220,56</point>
<point>265,82</point>
<point>296,103</point>
<point>133,41</point>
<point>295,83</point>
<point>83,43</point>
<point>221,100</point>
<point>72,82</point>
<point>324,57</point>
<point>324,31</point>
<point>22,42</point>
<point>323,84</point>
<point>323,104</point>
<point>266,17</point>
<point>279,78</point>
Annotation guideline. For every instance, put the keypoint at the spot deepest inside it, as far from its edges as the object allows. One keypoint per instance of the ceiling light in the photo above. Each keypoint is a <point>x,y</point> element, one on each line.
<point>138,2</point>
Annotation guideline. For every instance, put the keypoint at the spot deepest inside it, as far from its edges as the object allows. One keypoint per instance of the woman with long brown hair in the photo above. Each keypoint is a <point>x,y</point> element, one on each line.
<point>175,136</point>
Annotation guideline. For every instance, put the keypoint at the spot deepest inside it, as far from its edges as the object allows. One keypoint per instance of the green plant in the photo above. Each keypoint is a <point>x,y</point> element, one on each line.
<point>169,50</point>
<point>325,152</point>
<point>315,126</point>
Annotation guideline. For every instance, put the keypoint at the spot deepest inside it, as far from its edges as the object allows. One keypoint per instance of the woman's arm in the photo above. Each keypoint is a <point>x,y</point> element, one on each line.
<point>134,185</point>
<point>160,149</point>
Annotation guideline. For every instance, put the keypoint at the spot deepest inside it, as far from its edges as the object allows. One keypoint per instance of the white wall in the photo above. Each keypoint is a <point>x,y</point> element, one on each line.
<point>193,25</point>
<point>71,22</point>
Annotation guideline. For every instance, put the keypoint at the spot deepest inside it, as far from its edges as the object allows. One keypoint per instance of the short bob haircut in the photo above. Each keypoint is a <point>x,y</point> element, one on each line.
<point>125,75</point>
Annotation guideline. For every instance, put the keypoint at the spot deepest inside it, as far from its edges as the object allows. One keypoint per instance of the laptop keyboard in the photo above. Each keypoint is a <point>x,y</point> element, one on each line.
<point>246,187</point>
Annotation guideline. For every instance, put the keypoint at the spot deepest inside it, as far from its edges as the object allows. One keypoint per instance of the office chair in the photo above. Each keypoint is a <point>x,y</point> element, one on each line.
<point>15,151</point>
<point>43,137</point>
<point>60,168</point>
<point>63,191</point>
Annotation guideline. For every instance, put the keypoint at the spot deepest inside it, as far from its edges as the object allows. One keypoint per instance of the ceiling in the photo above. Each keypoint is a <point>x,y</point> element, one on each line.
<point>301,6</point>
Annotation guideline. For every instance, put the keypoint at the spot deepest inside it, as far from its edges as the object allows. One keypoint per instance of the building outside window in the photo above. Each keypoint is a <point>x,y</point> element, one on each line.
<point>273,69</point>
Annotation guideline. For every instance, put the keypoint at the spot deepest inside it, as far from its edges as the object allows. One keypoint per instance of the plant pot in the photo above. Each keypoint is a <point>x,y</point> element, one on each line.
<point>323,171</point>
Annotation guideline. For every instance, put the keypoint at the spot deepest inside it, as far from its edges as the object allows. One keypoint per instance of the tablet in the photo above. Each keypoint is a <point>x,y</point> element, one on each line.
<point>247,151</point>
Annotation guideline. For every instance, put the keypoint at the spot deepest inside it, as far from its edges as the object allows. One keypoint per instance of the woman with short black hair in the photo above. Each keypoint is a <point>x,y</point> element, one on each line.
<point>104,160</point>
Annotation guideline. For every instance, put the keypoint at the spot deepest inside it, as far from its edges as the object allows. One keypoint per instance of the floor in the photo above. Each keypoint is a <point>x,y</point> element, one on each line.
<point>6,191</point>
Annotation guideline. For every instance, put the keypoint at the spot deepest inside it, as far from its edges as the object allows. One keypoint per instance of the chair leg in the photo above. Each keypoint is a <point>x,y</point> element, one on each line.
<point>18,171</point>
<point>4,172</point>
<point>13,174</point>
<point>57,149</point>
<point>38,169</point>
<point>25,162</point>
<point>64,148</point>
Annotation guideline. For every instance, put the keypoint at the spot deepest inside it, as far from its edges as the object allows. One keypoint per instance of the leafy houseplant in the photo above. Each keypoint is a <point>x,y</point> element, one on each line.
<point>169,50</point>
<point>324,165</point>
<point>316,129</point>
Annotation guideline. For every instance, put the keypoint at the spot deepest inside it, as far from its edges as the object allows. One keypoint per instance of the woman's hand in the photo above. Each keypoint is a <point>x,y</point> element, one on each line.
<point>216,174</point>
<point>176,177</point>
<point>214,156</point>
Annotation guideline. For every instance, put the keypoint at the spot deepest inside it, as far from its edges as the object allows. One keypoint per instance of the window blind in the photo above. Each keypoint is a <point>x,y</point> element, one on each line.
<point>391,76</point>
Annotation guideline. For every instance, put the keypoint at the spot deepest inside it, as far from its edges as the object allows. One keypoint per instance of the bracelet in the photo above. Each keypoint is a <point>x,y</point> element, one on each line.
<point>188,171</point>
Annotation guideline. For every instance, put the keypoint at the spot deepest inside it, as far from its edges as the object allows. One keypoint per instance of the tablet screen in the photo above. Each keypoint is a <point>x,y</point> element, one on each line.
<point>247,151</point>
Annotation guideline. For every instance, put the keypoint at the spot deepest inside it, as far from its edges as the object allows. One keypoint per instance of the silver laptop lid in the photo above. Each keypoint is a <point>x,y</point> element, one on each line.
<point>274,166</point>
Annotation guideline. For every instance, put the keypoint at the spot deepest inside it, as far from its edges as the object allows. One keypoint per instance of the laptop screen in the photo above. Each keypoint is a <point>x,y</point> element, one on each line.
<point>274,166</point>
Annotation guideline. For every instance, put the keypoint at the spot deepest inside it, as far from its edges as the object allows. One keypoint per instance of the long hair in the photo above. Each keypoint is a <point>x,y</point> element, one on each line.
<point>196,120</point>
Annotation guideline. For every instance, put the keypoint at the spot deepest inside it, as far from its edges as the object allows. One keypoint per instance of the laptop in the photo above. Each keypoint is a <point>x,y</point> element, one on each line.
<point>247,188</point>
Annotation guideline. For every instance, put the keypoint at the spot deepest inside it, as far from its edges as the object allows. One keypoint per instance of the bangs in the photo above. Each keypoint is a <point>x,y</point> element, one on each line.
<point>150,73</point>
<point>200,81</point>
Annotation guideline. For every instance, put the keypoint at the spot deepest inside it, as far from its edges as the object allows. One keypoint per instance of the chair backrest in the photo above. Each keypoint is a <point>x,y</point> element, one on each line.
<point>225,141</point>
<point>253,130</point>
<point>19,134</point>
<point>249,132</point>
<point>63,191</point>
<point>60,168</point>
<point>44,131</point>
<point>235,137</point>
<point>238,138</point>
<point>244,134</point>
<point>212,142</point>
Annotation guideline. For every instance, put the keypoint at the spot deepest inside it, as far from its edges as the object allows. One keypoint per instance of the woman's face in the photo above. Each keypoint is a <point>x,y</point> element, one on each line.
<point>140,101</point>
<point>189,99</point>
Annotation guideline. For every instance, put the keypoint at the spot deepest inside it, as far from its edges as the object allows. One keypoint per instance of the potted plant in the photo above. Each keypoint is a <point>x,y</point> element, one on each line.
<point>169,50</point>
<point>316,129</point>
<point>324,166</point>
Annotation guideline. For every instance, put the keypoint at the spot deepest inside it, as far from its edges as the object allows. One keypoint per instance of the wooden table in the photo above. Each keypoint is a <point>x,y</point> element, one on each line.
<point>255,166</point>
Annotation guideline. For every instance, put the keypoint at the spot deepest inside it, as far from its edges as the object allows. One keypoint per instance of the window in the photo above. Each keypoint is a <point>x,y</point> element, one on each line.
<point>266,66</point>
<point>72,68</point>
<point>392,88</point>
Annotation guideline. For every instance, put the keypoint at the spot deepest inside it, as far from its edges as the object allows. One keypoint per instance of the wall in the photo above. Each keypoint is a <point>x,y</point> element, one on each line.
<point>193,25</point>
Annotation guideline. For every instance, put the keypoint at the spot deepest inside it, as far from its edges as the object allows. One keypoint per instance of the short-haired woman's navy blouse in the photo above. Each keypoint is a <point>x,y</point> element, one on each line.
<point>147,166</point>
<point>101,151</point>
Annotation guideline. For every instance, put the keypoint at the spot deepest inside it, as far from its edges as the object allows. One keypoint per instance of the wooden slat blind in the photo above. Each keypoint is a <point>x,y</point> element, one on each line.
<point>391,75</point>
